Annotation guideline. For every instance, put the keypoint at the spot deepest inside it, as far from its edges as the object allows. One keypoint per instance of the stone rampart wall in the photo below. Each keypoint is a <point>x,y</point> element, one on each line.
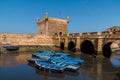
<point>25,39</point>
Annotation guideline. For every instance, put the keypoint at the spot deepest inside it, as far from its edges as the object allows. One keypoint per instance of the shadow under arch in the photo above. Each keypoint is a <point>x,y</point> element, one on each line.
<point>87,47</point>
<point>71,46</point>
<point>106,50</point>
<point>62,45</point>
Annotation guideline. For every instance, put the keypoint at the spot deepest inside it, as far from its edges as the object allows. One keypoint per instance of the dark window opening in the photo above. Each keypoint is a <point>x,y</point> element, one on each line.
<point>56,34</point>
<point>41,33</point>
<point>114,30</point>
<point>60,33</point>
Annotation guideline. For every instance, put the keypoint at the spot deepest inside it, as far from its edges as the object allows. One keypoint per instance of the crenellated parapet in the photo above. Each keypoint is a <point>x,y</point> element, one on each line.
<point>86,34</point>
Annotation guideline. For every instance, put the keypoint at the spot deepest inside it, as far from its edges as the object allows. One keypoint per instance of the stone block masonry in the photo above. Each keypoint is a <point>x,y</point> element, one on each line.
<point>25,39</point>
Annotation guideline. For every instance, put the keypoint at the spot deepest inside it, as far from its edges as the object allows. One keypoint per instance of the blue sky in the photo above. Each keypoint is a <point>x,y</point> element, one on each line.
<point>19,16</point>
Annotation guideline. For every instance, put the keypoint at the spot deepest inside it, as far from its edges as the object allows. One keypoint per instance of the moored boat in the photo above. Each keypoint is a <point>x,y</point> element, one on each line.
<point>58,55</point>
<point>11,48</point>
<point>67,61</point>
<point>32,60</point>
<point>49,67</point>
<point>51,61</point>
<point>69,67</point>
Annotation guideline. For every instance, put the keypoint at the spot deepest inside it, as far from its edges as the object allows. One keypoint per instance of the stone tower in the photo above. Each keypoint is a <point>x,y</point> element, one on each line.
<point>50,26</point>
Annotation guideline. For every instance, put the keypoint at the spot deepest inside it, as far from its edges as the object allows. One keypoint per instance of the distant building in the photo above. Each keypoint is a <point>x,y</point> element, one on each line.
<point>113,29</point>
<point>49,26</point>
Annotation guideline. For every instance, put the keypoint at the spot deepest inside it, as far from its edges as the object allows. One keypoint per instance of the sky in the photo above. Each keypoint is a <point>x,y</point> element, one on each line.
<point>19,16</point>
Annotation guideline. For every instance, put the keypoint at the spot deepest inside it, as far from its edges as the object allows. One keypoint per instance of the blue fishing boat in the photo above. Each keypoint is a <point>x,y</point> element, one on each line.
<point>57,56</point>
<point>49,67</point>
<point>11,48</point>
<point>61,59</point>
<point>60,54</point>
<point>72,68</point>
<point>43,54</point>
<point>68,66</point>
<point>69,58</point>
<point>65,57</point>
<point>32,60</point>
<point>51,61</point>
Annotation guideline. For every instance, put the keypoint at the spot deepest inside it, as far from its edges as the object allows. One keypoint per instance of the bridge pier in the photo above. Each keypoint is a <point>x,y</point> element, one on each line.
<point>66,42</point>
<point>100,43</point>
<point>78,43</point>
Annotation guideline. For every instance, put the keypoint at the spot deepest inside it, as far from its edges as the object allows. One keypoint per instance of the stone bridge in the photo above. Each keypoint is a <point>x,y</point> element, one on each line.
<point>90,42</point>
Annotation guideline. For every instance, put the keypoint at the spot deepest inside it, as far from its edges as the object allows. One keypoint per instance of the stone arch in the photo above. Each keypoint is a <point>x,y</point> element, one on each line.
<point>114,45</point>
<point>71,46</point>
<point>106,50</point>
<point>110,47</point>
<point>87,47</point>
<point>62,45</point>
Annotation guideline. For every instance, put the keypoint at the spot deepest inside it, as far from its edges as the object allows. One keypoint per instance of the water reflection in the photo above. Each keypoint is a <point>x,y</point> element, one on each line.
<point>117,76</point>
<point>115,59</point>
<point>44,73</point>
<point>13,59</point>
<point>49,75</point>
<point>16,64</point>
<point>62,76</point>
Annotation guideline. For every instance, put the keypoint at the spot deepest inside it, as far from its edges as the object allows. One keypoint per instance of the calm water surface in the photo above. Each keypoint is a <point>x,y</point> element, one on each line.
<point>14,66</point>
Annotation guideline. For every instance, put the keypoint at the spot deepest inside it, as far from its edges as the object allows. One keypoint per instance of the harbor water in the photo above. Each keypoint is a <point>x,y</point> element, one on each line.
<point>14,66</point>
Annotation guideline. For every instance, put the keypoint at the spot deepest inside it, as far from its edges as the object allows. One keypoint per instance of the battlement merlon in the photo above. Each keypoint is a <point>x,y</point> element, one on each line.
<point>52,19</point>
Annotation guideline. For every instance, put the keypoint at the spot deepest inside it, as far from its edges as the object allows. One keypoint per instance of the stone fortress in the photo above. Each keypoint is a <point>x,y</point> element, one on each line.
<point>52,26</point>
<point>47,28</point>
<point>54,32</point>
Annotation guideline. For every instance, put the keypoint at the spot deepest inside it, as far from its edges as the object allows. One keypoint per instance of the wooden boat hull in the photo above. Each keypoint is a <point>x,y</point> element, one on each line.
<point>11,48</point>
<point>71,69</point>
<point>49,67</point>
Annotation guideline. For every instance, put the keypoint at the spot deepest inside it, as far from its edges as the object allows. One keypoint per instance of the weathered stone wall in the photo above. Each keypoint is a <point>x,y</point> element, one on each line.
<point>52,26</point>
<point>25,39</point>
<point>57,27</point>
<point>42,27</point>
